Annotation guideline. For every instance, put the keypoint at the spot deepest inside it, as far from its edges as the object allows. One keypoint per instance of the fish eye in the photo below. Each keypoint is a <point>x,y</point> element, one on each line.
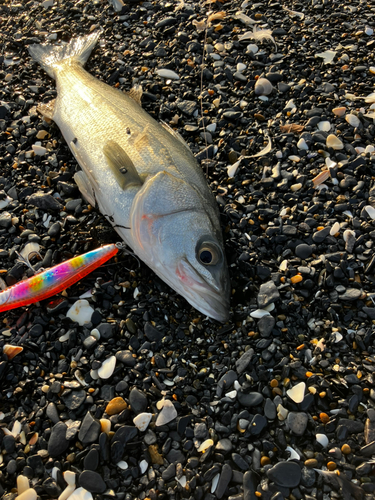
<point>208,256</point>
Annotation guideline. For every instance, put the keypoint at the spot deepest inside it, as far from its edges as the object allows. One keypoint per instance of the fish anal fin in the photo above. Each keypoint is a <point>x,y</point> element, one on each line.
<point>121,165</point>
<point>85,187</point>
<point>47,109</point>
<point>136,94</point>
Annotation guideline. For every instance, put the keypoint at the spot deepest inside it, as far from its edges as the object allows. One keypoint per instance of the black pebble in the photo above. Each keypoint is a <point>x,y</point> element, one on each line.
<point>92,482</point>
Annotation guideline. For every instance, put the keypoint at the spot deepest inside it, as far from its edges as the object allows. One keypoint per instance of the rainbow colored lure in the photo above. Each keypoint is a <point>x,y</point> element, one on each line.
<point>54,280</point>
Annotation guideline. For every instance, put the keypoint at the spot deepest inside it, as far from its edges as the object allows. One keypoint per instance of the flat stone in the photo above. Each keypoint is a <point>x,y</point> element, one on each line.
<point>224,479</point>
<point>126,357</point>
<point>224,445</point>
<point>353,426</point>
<point>91,460</point>
<point>44,201</point>
<point>303,251</point>
<point>90,429</point>
<point>92,482</point>
<point>266,325</point>
<point>58,443</point>
<point>270,409</point>
<point>243,362</point>
<point>117,451</point>
<point>268,294</point>
<point>297,422</point>
<point>125,434</point>
<point>321,235</point>
<point>249,399</point>
<point>285,474</point>
<point>258,423</point>
<point>138,401</point>
<point>250,484</point>
<point>74,399</point>
<point>351,294</point>
<point>115,406</point>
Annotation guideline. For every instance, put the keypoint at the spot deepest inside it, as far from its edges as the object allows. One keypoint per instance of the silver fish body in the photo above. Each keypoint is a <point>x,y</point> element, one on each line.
<point>143,177</point>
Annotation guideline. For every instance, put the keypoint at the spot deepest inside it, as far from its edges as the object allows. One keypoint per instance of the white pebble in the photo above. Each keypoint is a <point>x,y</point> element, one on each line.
<point>70,477</point>
<point>95,333</point>
<point>39,150</point>
<point>47,4</point>
<point>353,120</point>
<point>214,483</point>
<point>371,211</point>
<point>16,429</point>
<point>142,420</point>
<point>301,144</point>
<point>81,494</point>
<point>122,465</point>
<point>335,229</point>
<point>143,466</point>
<point>322,440</point>
<point>296,187</point>
<point>69,490</point>
<point>211,127</point>
<point>279,154</point>
<point>369,31</point>
<point>294,158</point>
<point>205,445</point>
<point>293,454</point>
<point>338,336</point>
<point>80,312</point>
<point>231,394</point>
<point>369,149</point>
<point>167,73</point>
<point>241,67</point>
<point>330,163</point>
<point>167,414</point>
<point>107,368</point>
<point>297,393</point>
<point>232,169</point>
<point>29,494</point>
<point>334,142</point>
<point>252,48</point>
<point>182,481</point>
<point>282,412</point>
<point>22,484</point>
<point>5,202</point>
<point>324,126</point>
<point>259,313</point>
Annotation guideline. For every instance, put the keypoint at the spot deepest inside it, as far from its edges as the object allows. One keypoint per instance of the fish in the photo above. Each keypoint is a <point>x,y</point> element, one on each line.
<point>55,279</point>
<point>141,175</point>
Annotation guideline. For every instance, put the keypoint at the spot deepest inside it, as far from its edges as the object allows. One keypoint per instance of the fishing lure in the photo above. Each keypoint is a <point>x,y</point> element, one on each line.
<point>54,280</point>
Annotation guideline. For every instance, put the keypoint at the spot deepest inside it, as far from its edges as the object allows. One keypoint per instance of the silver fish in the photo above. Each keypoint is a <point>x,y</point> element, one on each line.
<point>142,175</point>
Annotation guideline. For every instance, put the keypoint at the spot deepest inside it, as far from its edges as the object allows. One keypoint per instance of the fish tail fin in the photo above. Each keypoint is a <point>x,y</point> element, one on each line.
<point>77,50</point>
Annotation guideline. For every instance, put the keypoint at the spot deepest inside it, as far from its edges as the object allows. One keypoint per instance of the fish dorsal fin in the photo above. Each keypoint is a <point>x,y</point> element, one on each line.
<point>85,187</point>
<point>121,165</point>
<point>175,134</point>
<point>136,94</point>
<point>47,109</point>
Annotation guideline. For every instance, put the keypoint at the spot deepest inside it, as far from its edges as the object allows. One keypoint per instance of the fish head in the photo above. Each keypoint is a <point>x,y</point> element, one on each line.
<point>181,241</point>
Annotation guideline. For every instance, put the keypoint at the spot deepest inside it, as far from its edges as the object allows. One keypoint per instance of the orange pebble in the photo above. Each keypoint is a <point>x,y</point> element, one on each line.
<point>309,374</point>
<point>274,383</point>
<point>300,347</point>
<point>324,418</point>
<point>345,449</point>
<point>265,461</point>
<point>331,466</point>
<point>296,279</point>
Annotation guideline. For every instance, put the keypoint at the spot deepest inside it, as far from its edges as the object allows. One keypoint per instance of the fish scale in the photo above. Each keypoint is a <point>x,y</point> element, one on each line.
<point>142,176</point>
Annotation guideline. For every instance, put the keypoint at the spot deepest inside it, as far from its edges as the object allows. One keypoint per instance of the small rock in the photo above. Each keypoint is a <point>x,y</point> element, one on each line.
<point>92,481</point>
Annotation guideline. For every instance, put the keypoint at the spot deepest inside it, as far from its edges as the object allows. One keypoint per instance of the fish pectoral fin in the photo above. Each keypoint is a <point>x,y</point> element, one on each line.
<point>121,165</point>
<point>47,109</point>
<point>85,187</point>
<point>136,94</point>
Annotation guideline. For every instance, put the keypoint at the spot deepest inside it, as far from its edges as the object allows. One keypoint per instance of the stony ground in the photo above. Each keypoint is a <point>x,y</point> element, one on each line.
<point>150,399</point>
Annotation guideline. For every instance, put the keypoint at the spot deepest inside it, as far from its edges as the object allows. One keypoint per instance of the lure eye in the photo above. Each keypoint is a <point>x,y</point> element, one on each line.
<point>208,256</point>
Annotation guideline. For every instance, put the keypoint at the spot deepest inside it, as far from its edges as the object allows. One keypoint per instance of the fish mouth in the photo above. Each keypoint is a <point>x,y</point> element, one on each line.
<point>212,300</point>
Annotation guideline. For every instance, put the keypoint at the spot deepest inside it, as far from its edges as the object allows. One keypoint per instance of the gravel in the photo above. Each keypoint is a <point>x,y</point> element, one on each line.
<point>210,401</point>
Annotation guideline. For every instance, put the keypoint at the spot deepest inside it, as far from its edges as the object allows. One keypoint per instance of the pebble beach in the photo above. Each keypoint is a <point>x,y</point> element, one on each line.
<point>117,388</point>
